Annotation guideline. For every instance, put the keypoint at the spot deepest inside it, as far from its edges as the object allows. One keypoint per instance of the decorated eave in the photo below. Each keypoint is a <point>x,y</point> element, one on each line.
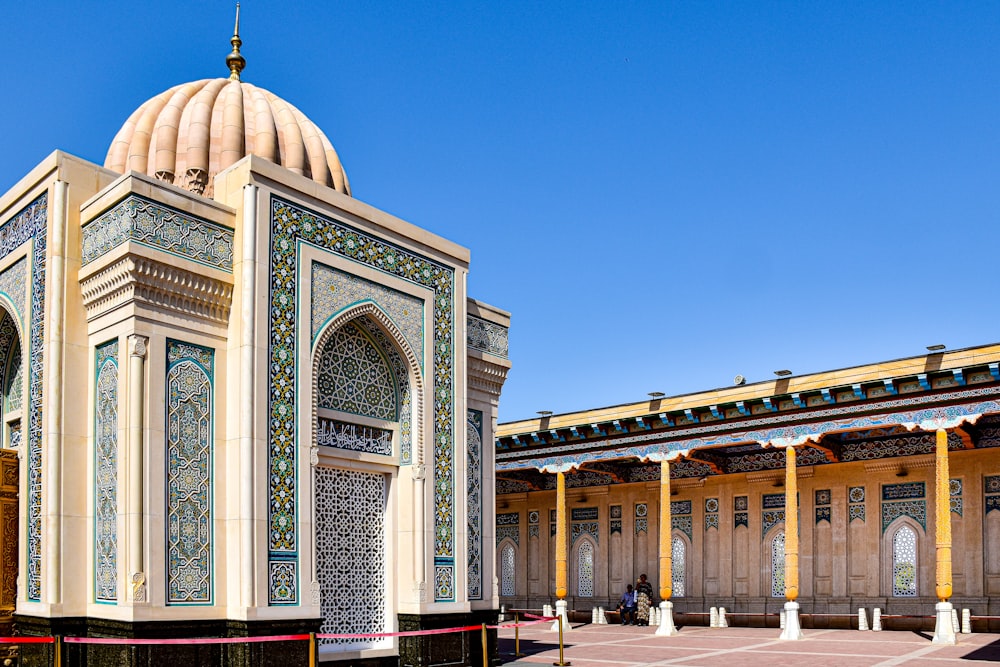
<point>872,413</point>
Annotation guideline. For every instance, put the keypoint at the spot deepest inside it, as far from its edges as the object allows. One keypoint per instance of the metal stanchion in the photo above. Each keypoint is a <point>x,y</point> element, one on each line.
<point>486,661</point>
<point>561,663</point>
<point>517,637</point>
<point>57,647</point>
<point>312,649</point>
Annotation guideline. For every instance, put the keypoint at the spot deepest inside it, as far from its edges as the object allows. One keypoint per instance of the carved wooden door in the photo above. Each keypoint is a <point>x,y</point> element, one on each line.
<point>8,538</point>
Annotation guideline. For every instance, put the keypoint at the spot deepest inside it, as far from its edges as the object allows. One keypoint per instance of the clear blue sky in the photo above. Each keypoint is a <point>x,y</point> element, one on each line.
<point>663,194</point>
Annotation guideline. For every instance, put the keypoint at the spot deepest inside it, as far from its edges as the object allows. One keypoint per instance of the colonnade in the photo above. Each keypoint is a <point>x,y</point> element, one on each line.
<point>944,632</point>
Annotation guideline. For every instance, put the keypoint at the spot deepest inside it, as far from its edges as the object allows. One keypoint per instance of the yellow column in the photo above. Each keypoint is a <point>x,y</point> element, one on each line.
<point>666,555</point>
<point>791,527</point>
<point>942,501</point>
<point>561,558</point>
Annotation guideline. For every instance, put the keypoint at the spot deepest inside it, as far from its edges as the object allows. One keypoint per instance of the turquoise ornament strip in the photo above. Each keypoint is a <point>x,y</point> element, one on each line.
<point>290,225</point>
<point>142,221</point>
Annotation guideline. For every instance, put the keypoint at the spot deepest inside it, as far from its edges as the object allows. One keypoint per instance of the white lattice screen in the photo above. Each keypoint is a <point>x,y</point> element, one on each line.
<point>507,571</point>
<point>350,555</point>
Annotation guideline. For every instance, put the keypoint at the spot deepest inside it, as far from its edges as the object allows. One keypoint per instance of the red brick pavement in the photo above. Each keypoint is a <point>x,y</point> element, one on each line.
<point>618,646</point>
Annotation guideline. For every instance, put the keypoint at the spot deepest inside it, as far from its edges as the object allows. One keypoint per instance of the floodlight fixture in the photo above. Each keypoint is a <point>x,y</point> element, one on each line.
<point>545,413</point>
<point>656,395</point>
<point>936,348</point>
<point>783,373</point>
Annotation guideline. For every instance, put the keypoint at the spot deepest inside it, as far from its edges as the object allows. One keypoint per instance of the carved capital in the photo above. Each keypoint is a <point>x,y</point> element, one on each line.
<point>314,593</point>
<point>137,346</point>
<point>314,456</point>
<point>418,471</point>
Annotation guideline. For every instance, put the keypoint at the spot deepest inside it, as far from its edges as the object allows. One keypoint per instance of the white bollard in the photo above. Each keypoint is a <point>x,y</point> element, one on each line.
<point>547,611</point>
<point>966,622</point>
<point>723,623</point>
<point>713,618</point>
<point>503,613</point>
<point>593,615</point>
<point>665,623</point>
<point>654,615</point>
<point>944,625</point>
<point>862,619</point>
<point>792,629</point>
<point>781,619</point>
<point>602,618</point>
<point>877,620</point>
<point>954,621</point>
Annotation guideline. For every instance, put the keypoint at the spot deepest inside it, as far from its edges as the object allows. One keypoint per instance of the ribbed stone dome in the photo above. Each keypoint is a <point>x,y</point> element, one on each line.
<point>188,134</point>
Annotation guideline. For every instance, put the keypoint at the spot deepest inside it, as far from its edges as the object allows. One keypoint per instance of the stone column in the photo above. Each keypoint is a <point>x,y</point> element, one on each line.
<point>792,628</point>
<point>136,401</point>
<point>561,553</point>
<point>944,630</point>
<point>248,414</point>
<point>666,626</point>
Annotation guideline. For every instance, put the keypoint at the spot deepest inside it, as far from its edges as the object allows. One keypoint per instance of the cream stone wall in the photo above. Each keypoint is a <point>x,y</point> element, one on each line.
<point>843,564</point>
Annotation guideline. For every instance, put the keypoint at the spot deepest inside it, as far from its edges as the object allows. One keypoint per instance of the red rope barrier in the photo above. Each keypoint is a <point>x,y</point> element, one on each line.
<point>27,640</point>
<point>194,640</point>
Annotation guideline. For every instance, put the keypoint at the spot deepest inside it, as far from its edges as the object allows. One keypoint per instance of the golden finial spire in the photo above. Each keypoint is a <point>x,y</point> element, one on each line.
<point>234,60</point>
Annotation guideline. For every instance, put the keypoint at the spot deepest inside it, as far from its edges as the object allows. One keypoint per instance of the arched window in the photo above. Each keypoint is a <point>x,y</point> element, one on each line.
<point>678,553</point>
<point>904,562</point>
<point>507,560</point>
<point>778,565</point>
<point>585,569</point>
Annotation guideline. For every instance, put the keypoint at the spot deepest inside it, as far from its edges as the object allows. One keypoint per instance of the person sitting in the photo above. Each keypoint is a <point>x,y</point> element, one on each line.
<point>627,606</point>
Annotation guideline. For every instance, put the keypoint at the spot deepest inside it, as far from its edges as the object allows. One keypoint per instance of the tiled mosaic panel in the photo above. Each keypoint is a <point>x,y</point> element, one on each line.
<point>583,514</point>
<point>641,510</point>
<point>955,491</point>
<point>291,225</point>
<point>904,563</point>
<point>189,473</point>
<point>741,503</point>
<point>13,381</point>
<point>680,507</point>
<point>778,565</point>
<point>13,282</point>
<point>711,521</point>
<point>402,380</point>
<point>10,362</point>
<point>486,336</point>
<point>770,519</point>
<point>354,376</point>
<point>641,525</point>
<point>682,523</point>
<point>474,495</point>
<point>353,437</point>
<point>678,566</point>
<point>711,505</point>
<point>823,497</point>
<point>444,581</point>
<point>16,434</point>
<point>106,470</point>
<point>585,570</point>
<point>615,516</point>
<point>507,561</point>
<point>991,484</point>
<point>512,533</point>
<point>508,518</point>
<point>350,553</point>
<point>141,221</point>
<point>823,514</point>
<point>741,519</point>
<point>30,224</point>
<point>991,490</point>
<point>915,509</point>
<point>334,290</point>
<point>533,517</point>
<point>857,512</point>
<point>856,494</point>
<point>773,501</point>
<point>904,491</point>
<point>583,528</point>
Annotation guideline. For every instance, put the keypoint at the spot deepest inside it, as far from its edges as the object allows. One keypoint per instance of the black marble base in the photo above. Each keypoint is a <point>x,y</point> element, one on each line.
<point>445,650</point>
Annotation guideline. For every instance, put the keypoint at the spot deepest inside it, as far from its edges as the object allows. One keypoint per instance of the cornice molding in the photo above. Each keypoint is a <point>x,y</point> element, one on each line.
<point>140,280</point>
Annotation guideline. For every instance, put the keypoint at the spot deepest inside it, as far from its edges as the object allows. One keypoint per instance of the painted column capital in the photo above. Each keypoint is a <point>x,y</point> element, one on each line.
<point>137,346</point>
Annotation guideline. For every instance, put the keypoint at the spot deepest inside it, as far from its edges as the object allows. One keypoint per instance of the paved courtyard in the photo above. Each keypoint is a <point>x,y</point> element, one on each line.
<point>618,646</point>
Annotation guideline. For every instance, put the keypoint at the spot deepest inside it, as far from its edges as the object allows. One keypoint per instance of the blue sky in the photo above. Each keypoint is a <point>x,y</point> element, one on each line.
<point>663,194</point>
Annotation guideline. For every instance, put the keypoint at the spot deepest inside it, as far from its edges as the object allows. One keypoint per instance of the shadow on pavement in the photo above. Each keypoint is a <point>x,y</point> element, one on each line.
<point>990,652</point>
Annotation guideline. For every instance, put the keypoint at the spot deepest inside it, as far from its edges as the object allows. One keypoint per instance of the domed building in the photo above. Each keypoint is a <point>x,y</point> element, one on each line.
<point>238,401</point>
